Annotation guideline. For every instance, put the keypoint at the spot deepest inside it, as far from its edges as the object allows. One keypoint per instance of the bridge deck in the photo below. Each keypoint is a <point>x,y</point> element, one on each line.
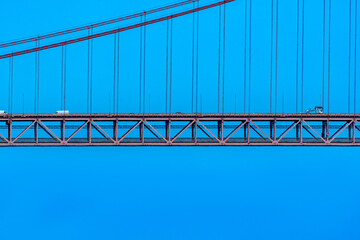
<point>179,129</point>
<point>180,115</point>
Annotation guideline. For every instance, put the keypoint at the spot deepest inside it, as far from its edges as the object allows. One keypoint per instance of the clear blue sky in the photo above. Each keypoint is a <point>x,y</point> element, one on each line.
<point>178,193</point>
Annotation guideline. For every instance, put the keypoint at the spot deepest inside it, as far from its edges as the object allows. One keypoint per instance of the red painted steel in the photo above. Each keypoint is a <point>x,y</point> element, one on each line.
<point>95,25</point>
<point>179,130</point>
<point>76,40</point>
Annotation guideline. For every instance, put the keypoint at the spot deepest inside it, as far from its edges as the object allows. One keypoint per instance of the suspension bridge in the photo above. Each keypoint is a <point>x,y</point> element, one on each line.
<point>174,126</point>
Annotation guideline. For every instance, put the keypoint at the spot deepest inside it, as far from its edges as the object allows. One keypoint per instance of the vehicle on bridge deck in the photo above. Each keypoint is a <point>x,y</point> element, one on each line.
<point>62,112</point>
<point>318,109</point>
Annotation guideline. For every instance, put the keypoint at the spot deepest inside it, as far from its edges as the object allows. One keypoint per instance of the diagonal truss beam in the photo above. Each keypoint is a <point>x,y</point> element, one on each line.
<point>81,127</point>
<point>6,140</point>
<point>27,122</point>
<point>356,127</point>
<point>48,131</point>
<point>182,130</point>
<point>235,130</point>
<point>307,130</point>
<point>130,130</point>
<point>101,131</point>
<point>313,131</point>
<point>260,131</point>
<point>154,130</point>
<point>288,130</point>
<point>257,132</point>
<point>153,133</point>
<point>333,137</point>
<point>203,126</point>
<point>25,130</point>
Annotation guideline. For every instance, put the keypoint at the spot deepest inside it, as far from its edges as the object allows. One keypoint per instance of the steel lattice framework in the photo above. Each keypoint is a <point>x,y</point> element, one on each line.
<point>180,130</point>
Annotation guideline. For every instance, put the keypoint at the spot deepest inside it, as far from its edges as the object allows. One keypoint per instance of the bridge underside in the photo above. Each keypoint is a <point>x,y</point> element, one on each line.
<point>179,130</point>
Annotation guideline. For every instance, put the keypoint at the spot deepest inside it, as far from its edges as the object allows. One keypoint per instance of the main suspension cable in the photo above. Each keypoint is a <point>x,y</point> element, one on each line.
<point>95,25</point>
<point>110,32</point>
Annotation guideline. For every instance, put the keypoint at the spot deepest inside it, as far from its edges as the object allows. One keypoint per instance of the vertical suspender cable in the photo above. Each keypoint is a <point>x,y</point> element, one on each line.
<point>144,65</point>
<point>355,57</point>
<point>167,67</point>
<point>23,103</point>
<point>36,76</point>
<point>329,55</point>
<point>193,61</point>
<point>38,80</point>
<point>141,61</point>
<point>297,54</point>
<point>349,87</point>
<point>65,77</point>
<point>245,54</point>
<point>115,71</point>
<point>276,52</point>
<point>223,60</point>
<point>118,74</point>
<point>219,59</point>
<point>171,60</point>
<point>302,56</point>
<point>62,79</point>
<point>88,76</point>
<point>250,56</point>
<point>323,67</point>
<point>10,83</point>
<point>90,71</point>
<point>197,57</point>
<point>271,51</point>
<point>235,105</point>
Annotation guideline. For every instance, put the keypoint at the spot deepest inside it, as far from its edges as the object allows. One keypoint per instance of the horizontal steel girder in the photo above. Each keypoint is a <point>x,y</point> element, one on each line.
<point>179,130</point>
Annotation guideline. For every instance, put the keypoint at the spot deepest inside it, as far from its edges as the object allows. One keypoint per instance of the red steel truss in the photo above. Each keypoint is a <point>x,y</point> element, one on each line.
<point>106,33</point>
<point>179,130</point>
